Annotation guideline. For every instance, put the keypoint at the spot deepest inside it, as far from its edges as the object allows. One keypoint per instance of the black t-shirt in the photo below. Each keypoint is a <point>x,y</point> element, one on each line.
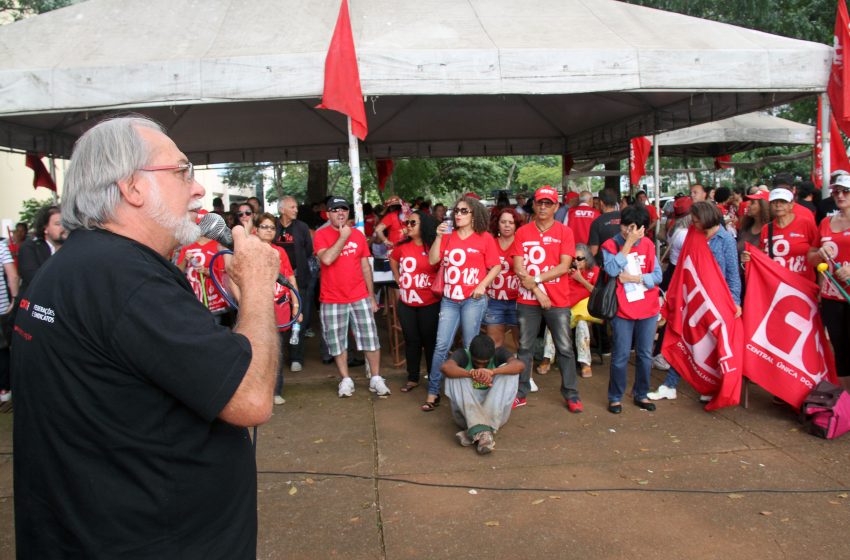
<point>296,241</point>
<point>826,208</point>
<point>602,229</point>
<point>119,375</point>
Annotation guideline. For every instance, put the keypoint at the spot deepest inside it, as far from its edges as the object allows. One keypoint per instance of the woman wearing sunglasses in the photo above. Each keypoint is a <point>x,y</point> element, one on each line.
<point>582,277</point>
<point>419,307</point>
<point>470,262</point>
<point>246,218</point>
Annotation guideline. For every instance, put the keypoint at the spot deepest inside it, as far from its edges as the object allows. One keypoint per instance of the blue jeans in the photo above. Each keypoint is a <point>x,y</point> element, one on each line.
<point>558,321</point>
<point>643,332</point>
<point>672,379</point>
<point>467,315</point>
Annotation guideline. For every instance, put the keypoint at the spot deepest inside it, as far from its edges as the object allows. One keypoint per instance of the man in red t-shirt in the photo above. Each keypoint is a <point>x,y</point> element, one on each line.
<point>542,253</point>
<point>347,295</point>
<point>580,217</point>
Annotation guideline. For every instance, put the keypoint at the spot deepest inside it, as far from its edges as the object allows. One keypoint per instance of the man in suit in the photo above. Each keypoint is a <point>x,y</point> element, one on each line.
<point>49,236</point>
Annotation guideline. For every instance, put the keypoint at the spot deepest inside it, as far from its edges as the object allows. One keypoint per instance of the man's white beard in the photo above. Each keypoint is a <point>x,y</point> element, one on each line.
<point>184,229</point>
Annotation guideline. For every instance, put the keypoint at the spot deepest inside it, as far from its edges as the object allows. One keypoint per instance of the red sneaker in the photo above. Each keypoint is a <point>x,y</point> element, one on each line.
<point>575,406</point>
<point>518,402</point>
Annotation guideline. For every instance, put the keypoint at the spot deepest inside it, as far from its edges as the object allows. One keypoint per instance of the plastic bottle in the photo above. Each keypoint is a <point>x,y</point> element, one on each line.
<point>296,332</point>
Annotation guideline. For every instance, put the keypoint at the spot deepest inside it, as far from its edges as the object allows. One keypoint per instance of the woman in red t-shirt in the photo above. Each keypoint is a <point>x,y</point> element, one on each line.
<point>390,229</point>
<point>418,306</point>
<point>470,262</point>
<point>245,217</point>
<point>834,249</point>
<point>581,279</point>
<point>502,293</point>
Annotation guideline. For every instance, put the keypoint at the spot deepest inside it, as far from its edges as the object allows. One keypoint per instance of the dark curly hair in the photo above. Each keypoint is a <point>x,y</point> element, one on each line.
<point>480,214</point>
<point>427,229</point>
<point>497,215</point>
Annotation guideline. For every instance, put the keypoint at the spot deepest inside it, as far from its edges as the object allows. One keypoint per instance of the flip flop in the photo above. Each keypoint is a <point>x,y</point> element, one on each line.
<point>409,387</point>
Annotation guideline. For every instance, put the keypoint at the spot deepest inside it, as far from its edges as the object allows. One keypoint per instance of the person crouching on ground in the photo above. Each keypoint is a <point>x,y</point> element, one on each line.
<point>481,383</point>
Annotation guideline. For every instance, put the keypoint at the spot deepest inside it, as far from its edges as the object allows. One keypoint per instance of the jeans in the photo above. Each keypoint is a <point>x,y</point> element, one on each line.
<point>419,326</point>
<point>466,314</point>
<point>672,378</point>
<point>278,384</point>
<point>643,332</point>
<point>558,321</point>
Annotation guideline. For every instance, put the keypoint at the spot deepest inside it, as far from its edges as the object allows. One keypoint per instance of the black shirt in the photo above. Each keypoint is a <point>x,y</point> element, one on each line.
<point>119,375</point>
<point>602,229</point>
<point>296,241</point>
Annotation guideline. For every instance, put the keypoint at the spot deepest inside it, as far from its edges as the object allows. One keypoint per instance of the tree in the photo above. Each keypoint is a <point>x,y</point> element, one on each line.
<point>15,10</point>
<point>30,208</point>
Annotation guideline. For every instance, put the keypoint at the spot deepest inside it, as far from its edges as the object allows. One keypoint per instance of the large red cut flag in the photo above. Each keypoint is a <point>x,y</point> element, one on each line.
<point>385,169</point>
<point>837,151</point>
<point>786,352</point>
<point>838,88</point>
<point>703,337</point>
<point>342,78</point>
<point>638,154</point>
<point>41,176</point>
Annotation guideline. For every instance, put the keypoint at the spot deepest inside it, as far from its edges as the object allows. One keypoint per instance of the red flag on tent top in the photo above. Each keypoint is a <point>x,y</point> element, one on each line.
<point>638,154</point>
<point>839,79</point>
<point>41,176</point>
<point>342,79</point>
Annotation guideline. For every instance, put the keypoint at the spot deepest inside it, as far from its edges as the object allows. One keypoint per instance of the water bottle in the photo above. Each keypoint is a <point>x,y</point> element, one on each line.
<point>296,331</point>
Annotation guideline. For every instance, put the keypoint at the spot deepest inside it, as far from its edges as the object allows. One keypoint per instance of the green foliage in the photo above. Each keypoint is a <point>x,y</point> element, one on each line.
<point>30,208</point>
<point>535,175</point>
<point>20,9</point>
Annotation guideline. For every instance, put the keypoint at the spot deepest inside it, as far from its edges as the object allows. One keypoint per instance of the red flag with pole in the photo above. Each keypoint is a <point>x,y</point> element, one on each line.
<point>703,337</point>
<point>837,150</point>
<point>41,176</point>
<point>787,352</point>
<point>342,78</point>
<point>638,154</point>
<point>837,89</point>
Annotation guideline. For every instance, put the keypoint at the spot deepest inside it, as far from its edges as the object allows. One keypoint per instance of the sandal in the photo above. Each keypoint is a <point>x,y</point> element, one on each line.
<point>430,406</point>
<point>409,387</point>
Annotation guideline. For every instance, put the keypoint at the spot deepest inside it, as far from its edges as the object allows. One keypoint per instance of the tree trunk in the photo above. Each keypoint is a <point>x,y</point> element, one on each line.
<point>317,180</point>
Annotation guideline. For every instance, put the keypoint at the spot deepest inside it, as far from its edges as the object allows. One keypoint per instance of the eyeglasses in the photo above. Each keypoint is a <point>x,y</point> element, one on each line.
<point>462,211</point>
<point>245,213</point>
<point>544,202</point>
<point>580,259</point>
<point>265,227</point>
<point>410,223</point>
<point>340,209</point>
<point>845,192</point>
<point>188,170</point>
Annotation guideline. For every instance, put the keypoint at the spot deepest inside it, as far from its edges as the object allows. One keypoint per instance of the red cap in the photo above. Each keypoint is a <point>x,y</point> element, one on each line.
<point>569,195</point>
<point>472,195</point>
<point>546,192</point>
<point>682,206</point>
<point>760,195</point>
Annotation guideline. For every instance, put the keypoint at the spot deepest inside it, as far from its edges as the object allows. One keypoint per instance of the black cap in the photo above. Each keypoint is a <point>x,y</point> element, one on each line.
<point>337,202</point>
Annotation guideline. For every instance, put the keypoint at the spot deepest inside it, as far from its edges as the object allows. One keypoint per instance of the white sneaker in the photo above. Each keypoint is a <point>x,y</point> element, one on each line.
<point>705,398</point>
<point>660,362</point>
<point>5,396</point>
<point>377,385</point>
<point>346,387</point>
<point>534,388</point>
<point>296,366</point>
<point>663,392</point>
<point>278,399</point>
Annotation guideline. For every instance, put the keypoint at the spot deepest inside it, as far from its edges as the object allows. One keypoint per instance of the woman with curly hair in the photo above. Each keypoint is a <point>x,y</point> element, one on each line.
<point>469,257</point>
<point>502,293</point>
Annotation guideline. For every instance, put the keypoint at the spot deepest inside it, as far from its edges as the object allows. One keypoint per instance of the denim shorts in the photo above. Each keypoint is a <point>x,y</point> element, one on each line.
<point>500,312</point>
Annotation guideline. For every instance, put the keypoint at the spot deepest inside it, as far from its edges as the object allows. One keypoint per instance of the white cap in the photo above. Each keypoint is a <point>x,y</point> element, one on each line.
<point>781,194</point>
<point>842,181</point>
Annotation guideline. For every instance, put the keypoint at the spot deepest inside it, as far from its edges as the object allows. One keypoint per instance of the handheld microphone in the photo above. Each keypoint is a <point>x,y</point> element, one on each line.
<point>214,227</point>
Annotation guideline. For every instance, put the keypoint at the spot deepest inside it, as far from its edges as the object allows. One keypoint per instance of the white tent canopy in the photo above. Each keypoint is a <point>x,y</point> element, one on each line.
<point>237,81</point>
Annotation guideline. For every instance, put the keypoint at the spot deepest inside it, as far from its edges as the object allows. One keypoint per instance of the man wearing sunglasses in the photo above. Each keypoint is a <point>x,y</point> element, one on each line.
<point>131,403</point>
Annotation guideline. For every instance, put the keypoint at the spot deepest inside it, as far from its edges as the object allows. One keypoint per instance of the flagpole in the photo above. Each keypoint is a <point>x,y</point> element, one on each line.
<point>825,144</point>
<point>656,172</point>
<point>356,190</point>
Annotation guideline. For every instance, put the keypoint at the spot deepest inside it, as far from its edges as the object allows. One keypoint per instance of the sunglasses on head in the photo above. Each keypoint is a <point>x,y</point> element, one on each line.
<point>246,213</point>
<point>410,223</point>
<point>462,211</point>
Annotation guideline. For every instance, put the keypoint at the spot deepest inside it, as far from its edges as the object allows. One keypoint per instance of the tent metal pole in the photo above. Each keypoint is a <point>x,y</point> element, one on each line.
<point>826,157</point>
<point>656,171</point>
<point>356,190</point>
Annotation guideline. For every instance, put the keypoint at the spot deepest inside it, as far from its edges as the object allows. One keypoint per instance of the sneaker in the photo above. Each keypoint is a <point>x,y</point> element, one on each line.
<point>377,385</point>
<point>586,371</point>
<point>463,438</point>
<point>296,366</point>
<point>518,402</point>
<point>660,362</point>
<point>705,398</point>
<point>346,387</point>
<point>309,333</point>
<point>485,442</point>
<point>543,367</point>
<point>278,399</point>
<point>5,396</point>
<point>534,388</point>
<point>663,392</point>
<point>575,406</point>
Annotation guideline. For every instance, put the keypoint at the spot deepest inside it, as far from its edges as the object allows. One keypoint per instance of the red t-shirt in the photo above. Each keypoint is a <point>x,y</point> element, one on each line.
<point>578,291</point>
<point>506,285</point>
<point>393,227</point>
<point>415,275</point>
<point>579,219</point>
<point>282,310</point>
<point>840,243</point>
<point>649,305</point>
<point>201,255</point>
<point>802,212</point>
<point>540,252</point>
<point>466,262</point>
<point>791,245</point>
<point>342,281</point>
<point>369,222</point>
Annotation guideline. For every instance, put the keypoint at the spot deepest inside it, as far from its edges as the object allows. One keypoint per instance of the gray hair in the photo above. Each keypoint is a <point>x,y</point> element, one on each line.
<point>283,200</point>
<point>582,248</point>
<point>108,153</point>
<point>585,197</point>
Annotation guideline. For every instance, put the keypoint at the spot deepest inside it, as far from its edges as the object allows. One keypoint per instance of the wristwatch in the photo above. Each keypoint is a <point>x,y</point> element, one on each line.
<point>538,279</point>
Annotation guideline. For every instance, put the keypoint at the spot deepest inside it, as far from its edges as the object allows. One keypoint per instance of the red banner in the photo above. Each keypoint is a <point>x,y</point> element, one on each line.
<point>786,351</point>
<point>703,337</point>
<point>342,78</point>
<point>41,176</point>
<point>837,89</point>
<point>638,154</point>
<point>837,151</point>
<point>385,169</point>
<point>721,161</point>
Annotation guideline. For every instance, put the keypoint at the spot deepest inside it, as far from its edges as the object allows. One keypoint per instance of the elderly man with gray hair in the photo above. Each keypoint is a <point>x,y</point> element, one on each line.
<point>131,402</point>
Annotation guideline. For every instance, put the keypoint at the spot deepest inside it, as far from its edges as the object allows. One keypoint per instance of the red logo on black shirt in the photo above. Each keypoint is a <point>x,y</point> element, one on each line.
<point>25,304</point>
